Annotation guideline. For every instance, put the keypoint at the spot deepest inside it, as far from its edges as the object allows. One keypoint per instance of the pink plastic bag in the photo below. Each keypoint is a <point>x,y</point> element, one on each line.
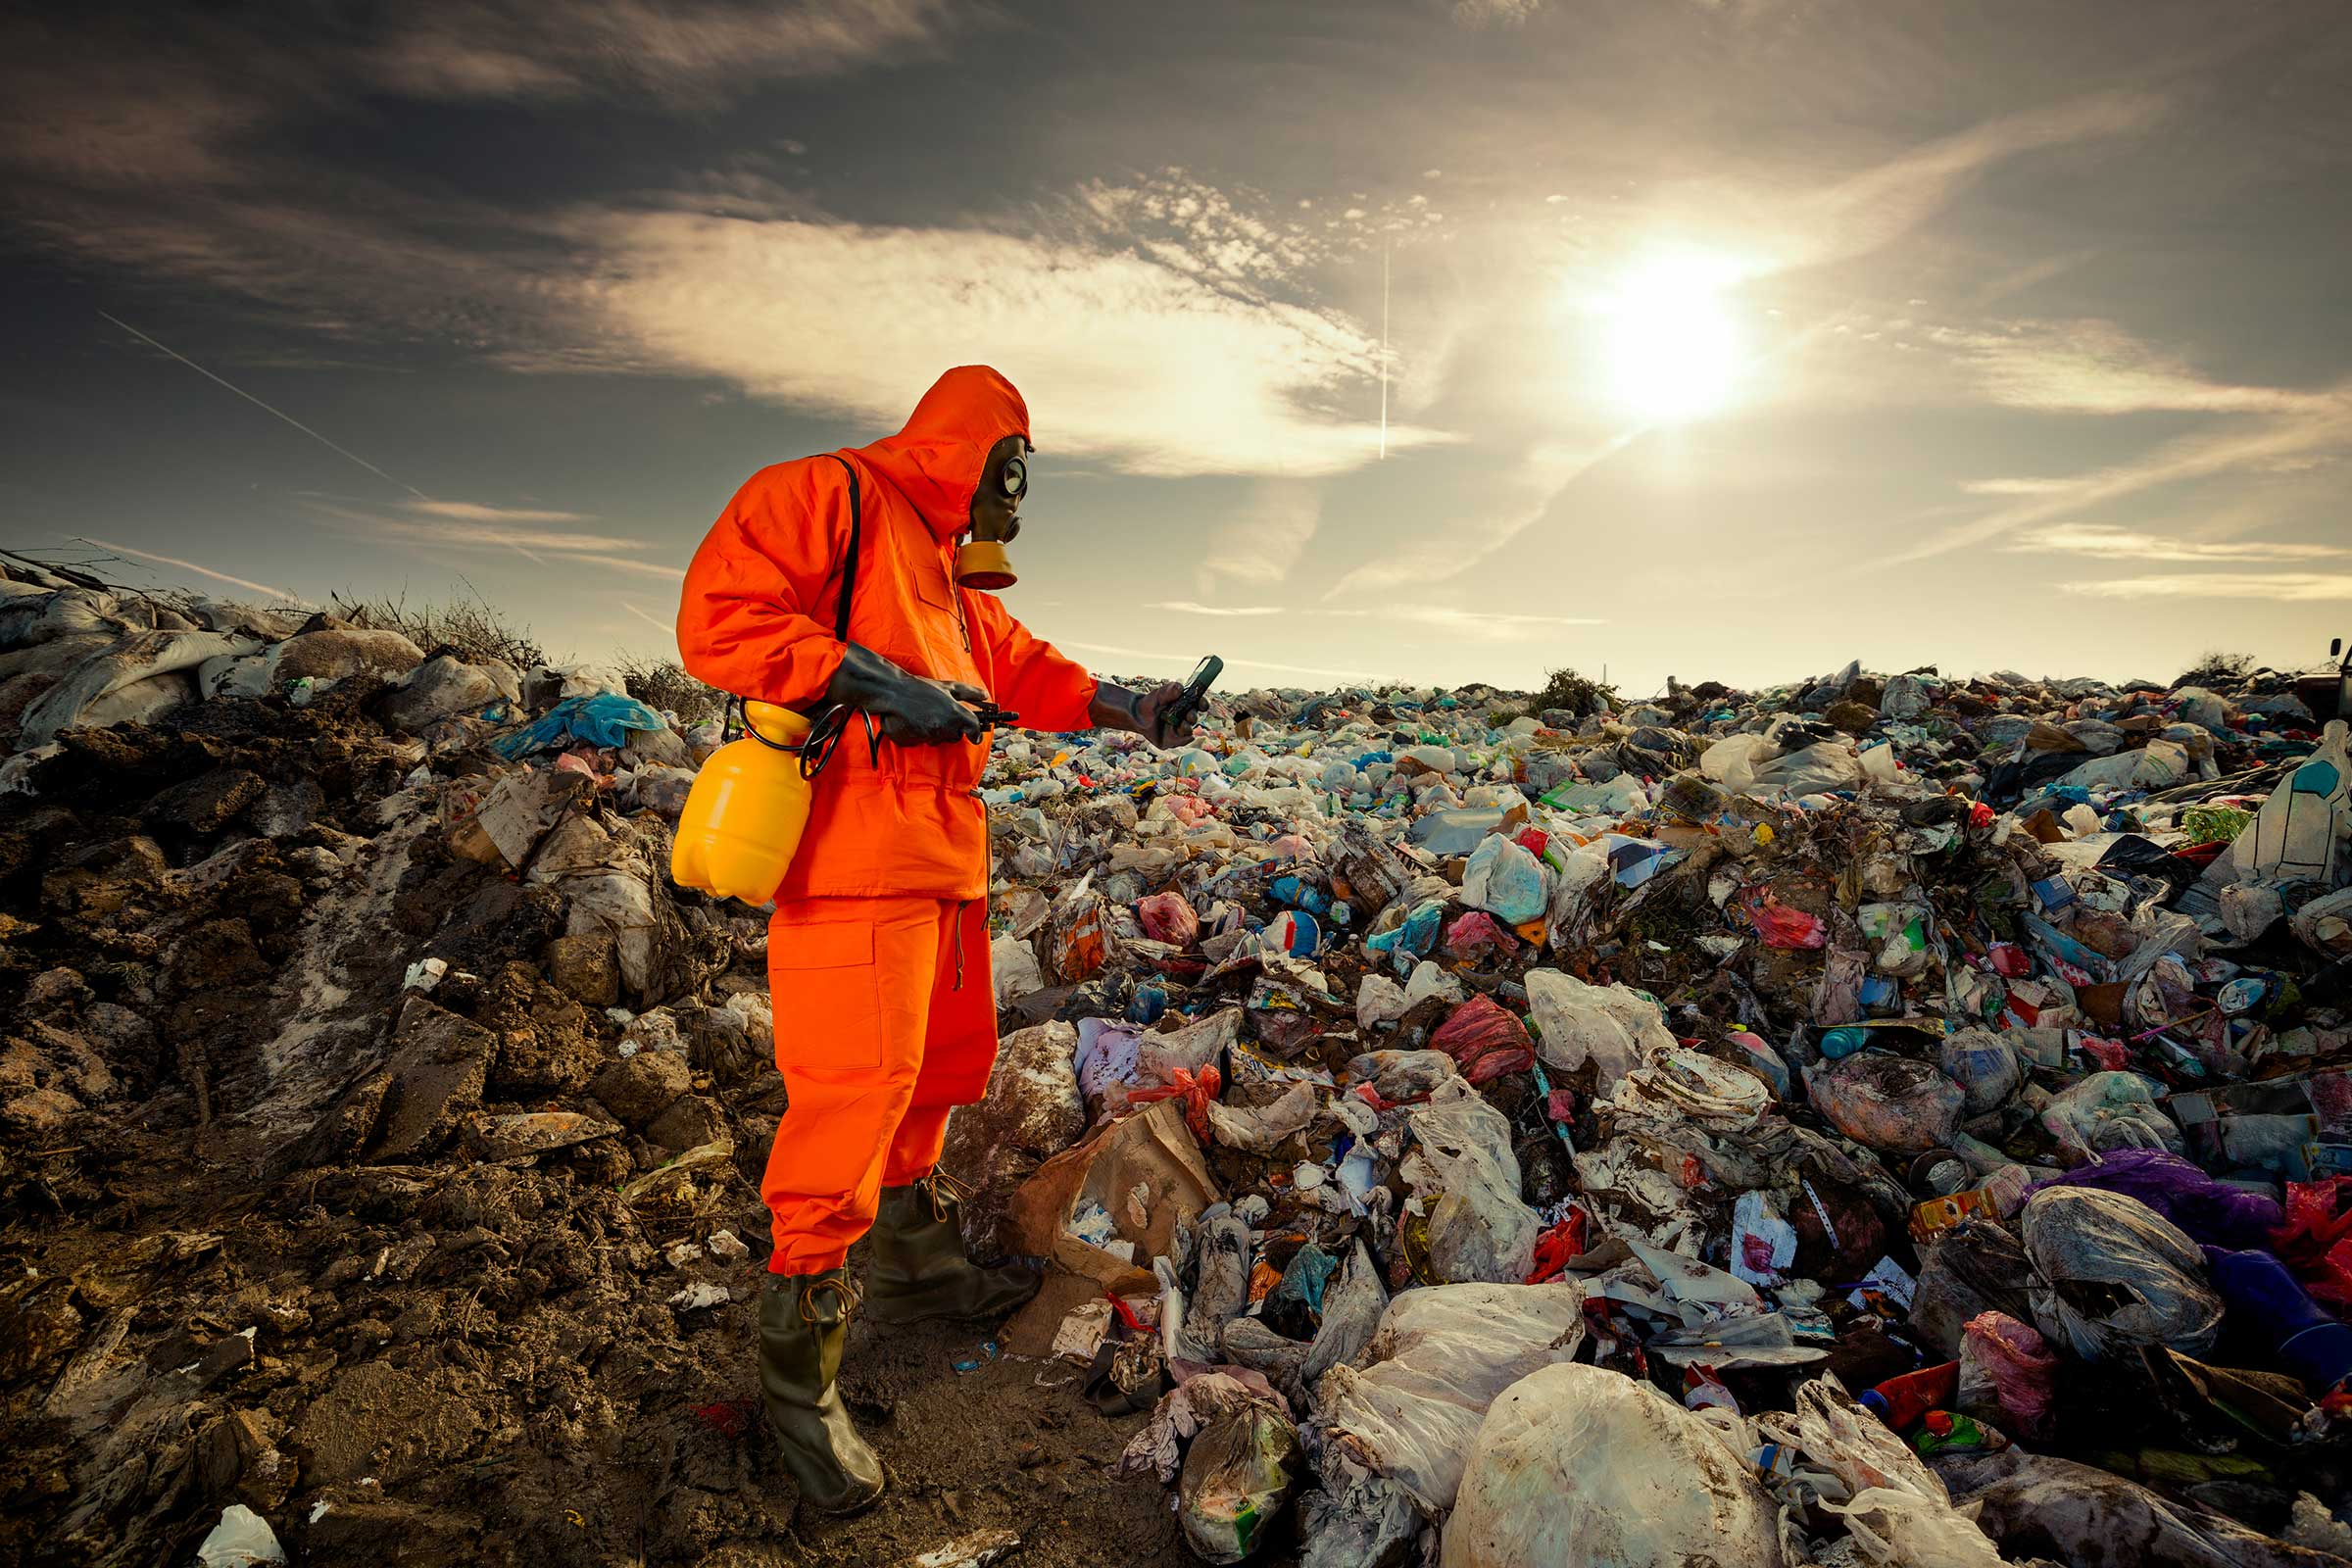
<point>1783,927</point>
<point>1474,934</point>
<point>2007,1374</point>
<point>1485,1040</point>
<point>1169,917</point>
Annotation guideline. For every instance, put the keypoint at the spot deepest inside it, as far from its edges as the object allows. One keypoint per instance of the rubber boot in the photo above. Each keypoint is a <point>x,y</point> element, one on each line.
<point>919,1272</point>
<point>804,1318</point>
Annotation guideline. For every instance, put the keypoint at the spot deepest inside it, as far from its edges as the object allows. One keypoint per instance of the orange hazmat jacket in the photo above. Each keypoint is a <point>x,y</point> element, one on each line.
<point>756,619</point>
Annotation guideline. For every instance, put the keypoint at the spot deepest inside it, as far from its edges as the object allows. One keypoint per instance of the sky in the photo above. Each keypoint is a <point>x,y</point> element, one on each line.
<point>1363,340</point>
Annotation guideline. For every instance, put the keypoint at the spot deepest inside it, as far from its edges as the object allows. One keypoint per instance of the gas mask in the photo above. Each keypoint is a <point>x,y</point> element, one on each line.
<point>981,562</point>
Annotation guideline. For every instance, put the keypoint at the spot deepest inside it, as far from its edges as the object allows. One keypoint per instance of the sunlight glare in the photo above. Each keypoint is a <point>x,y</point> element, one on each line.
<point>1673,352</point>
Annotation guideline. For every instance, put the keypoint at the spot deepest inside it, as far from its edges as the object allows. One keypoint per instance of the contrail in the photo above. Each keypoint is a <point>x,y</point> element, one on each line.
<point>663,628</point>
<point>205,571</point>
<point>267,409</point>
<point>1384,352</point>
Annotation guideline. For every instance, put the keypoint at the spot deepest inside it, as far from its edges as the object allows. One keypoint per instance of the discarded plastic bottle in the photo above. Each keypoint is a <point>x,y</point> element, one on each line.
<point>1844,1042</point>
<point>1901,1401</point>
<point>1300,894</point>
<point>744,816</point>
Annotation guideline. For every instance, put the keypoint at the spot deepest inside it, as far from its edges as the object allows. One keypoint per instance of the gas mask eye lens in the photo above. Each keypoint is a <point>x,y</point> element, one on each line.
<point>1014,479</point>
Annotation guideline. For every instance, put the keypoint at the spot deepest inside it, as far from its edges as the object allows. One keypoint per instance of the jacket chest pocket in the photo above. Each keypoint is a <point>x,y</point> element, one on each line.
<point>941,627</point>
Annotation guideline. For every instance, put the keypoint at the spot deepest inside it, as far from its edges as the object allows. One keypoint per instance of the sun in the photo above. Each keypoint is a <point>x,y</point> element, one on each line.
<point>1672,348</point>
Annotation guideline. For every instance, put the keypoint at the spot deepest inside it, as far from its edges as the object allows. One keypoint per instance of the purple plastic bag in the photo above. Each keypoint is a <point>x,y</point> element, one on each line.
<point>2209,1211</point>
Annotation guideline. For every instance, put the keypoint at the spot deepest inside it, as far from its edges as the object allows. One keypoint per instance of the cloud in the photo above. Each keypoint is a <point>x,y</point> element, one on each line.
<point>2083,539</point>
<point>1544,475</point>
<point>1236,660</point>
<point>1489,626</point>
<point>1868,210</point>
<point>1262,542</point>
<point>2283,587</point>
<point>475,512</point>
<point>1494,13</point>
<point>2094,366</point>
<point>2019,487</point>
<point>281,595</point>
<point>2265,444</point>
<point>665,627</point>
<point>1187,606</point>
<point>448,525</point>
<point>1131,362</point>
<point>681,49</point>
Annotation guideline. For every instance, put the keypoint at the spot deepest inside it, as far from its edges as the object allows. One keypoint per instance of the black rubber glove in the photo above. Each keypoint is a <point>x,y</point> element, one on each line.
<point>1140,712</point>
<point>913,709</point>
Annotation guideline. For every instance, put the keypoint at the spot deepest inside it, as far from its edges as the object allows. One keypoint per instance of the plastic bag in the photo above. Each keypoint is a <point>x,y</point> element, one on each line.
<point>1580,1467</point>
<point>1169,917</point>
<point>2008,1376</point>
<point>2206,1209</point>
<point>1464,1172</point>
<point>1504,880</point>
<point>1687,1086</point>
<point>242,1539</point>
<point>1984,1065</point>
<point>1577,1027</point>
<point>1238,1478</point>
<point>1379,1000</point>
<point>2298,835</point>
<point>1353,1304</point>
<point>1781,926</point>
<point>1975,1267</point>
<point>1888,1102</point>
<point>2041,1506</point>
<point>1438,1358</point>
<point>1897,1512</point>
<point>2316,1236</point>
<point>1485,1040</point>
<point>2111,1110</point>
<point>2111,1274</point>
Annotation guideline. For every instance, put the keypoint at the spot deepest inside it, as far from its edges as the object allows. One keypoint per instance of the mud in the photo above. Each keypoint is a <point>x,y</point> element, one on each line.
<point>386,1265</point>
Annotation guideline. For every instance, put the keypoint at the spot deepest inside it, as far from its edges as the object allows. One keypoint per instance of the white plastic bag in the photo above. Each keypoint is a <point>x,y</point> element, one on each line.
<point>1437,1361</point>
<point>242,1539</point>
<point>1465,1173</point>
<point>1898,1514</point>
<point>1503,879</point>
<point>1582,1467</point>
<point>2092,1249</point>
<point>1579,1023</point>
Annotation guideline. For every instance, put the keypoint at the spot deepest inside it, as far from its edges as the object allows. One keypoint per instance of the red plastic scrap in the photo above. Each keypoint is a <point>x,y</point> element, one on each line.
<point>1196,1091</point>
<point>1556,1246</point>
<point>1486,1040</point>
<point>2316,1242</point>
<point>1782,926</point>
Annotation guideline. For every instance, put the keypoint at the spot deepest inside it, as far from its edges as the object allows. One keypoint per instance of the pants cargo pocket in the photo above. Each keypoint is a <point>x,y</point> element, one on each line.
<point>825,988</point>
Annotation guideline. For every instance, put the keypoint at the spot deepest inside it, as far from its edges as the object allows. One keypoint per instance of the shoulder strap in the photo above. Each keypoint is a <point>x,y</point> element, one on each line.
<point>849,571</point>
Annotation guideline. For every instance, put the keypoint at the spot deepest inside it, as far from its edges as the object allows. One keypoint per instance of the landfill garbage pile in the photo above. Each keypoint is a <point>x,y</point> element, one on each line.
<point>380,1129</point>
<point>1887,1121</point>
<point>1884,1120</point>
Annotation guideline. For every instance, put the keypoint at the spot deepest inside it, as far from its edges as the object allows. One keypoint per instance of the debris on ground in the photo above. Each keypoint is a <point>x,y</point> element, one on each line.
<point>1885,1119</point>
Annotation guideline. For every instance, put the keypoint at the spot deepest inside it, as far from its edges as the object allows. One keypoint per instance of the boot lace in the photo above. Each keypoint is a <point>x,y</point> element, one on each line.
<point>843,1293</point>
<point>945,1194</point>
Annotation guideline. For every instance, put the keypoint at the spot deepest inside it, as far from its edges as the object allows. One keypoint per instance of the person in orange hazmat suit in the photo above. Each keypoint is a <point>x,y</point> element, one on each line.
<point>878,951</point>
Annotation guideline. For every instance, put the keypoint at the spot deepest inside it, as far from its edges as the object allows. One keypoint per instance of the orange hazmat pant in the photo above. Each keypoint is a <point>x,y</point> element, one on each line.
<point>885,1018</point>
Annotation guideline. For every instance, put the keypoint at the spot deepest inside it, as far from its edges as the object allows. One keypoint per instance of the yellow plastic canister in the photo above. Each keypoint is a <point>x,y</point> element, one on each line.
<point>744,815</point>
